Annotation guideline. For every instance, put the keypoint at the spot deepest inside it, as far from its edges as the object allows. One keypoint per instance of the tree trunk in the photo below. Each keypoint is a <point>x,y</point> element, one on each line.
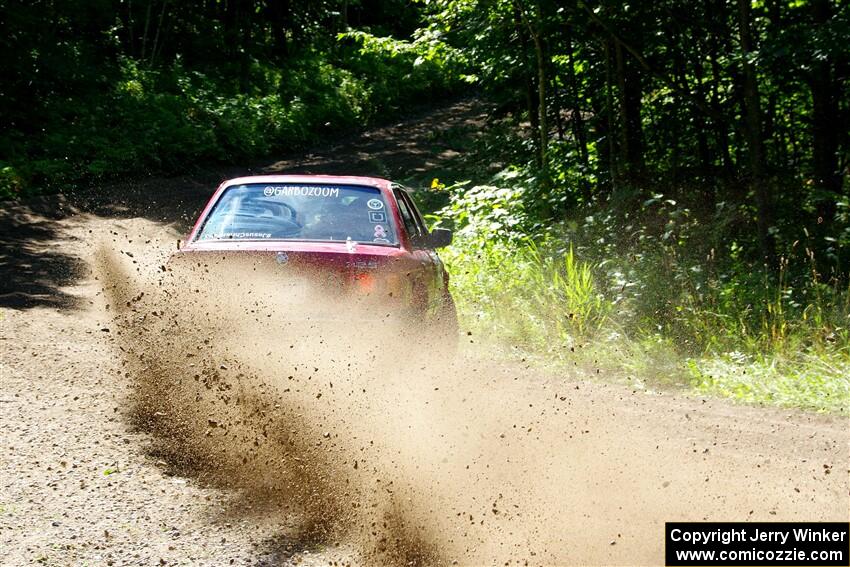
<point>130,32</point>
<point>157,46</point>
<point>531,106</point>
<point>753,134</point>
<point>246,23</point>
<point>558,100</point>
<point>229,25</point>
<point>146,28</point>
<point>613,167</point>
<point>825,114</point>
<point>279,17</point>
<point>719,127</point>
<point>631,137</point>
<point>531,88</point>
<point>700,124</point>
<point>542,122</point>
<point>577,122</point>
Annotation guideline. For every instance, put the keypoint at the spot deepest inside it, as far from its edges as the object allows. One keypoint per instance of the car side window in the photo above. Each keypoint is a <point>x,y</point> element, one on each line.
<point>407,217</point>
<point>423,229</point>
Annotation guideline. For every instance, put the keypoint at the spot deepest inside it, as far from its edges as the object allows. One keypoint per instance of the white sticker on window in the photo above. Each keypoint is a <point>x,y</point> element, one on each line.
<point>306,191</point>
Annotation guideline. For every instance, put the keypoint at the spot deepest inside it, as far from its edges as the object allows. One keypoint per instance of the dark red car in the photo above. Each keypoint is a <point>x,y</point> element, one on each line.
<point>355,237</point>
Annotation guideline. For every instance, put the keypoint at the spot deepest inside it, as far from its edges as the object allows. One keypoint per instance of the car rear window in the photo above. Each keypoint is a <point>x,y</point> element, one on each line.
<point>260,211</point>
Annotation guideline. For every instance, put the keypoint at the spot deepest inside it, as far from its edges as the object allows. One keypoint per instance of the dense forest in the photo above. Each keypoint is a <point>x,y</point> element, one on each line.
<point>99,87</point>
<point>727,101</point>
<point>659,180</point>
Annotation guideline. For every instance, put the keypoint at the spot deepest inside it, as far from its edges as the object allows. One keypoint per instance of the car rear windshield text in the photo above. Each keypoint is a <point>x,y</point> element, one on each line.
<point>300,212</point>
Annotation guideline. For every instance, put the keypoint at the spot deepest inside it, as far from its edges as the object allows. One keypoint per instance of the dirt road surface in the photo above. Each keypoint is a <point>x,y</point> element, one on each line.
<point>277,455</point>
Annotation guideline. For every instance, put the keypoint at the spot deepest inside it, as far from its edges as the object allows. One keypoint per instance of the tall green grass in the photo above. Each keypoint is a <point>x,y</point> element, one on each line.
<point>650,313</point>
<point>527,294</point>
<point>818,381</point>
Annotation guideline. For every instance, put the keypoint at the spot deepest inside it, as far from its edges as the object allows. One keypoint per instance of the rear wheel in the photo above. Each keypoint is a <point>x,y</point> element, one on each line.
<point>434,333</point>
<point>443,328</point>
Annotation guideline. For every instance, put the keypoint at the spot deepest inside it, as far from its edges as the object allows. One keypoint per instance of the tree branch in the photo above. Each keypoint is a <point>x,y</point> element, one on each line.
<point>679,89</point>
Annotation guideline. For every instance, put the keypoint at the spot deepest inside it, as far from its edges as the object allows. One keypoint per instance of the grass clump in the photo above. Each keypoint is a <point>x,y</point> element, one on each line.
<point>527,293</point>
<point>653,299</point>
<point>813,381</point>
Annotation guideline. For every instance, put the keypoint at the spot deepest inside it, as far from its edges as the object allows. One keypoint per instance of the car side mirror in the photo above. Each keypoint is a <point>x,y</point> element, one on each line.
<point>439,238</point>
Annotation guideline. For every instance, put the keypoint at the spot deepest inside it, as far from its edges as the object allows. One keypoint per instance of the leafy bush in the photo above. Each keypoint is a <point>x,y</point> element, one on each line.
<point>10,181</point>
<point>524,295</point>
<point>399,71</point>
<point>161,119</point>
<point>532,294</point>
<point>653,293</point>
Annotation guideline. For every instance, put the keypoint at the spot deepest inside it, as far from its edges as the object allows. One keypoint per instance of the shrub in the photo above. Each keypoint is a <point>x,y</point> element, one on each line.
<point>161,119</point>
<point>650,292</point>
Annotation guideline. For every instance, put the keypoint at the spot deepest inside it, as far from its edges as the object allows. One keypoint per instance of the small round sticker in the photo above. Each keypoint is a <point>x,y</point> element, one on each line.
<point>375,204</point>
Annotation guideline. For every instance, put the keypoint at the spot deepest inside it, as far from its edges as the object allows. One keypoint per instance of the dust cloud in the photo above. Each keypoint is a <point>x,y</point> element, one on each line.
<point>380,439</point>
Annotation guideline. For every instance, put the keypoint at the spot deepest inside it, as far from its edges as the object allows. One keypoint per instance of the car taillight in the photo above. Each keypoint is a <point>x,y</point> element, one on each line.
<point>364,283</point>
<point>387,287</point>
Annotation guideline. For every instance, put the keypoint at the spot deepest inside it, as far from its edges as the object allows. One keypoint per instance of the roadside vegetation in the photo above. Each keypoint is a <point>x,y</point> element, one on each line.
<point>661,195</point>
<point>666,197</point>
<point>623,299</point>
<point>97,89</point>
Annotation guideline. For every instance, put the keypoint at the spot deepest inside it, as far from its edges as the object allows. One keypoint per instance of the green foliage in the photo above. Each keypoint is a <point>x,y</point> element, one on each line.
<point>486,211</point>
<point>686,276</point>
<point>656,295</point>
<point>132,92</point>
<point>612,100</point>
<point>530,294</point>
<point>525,295</point>
<point>400,70</point>
<point>806,381</point>
<point>10,182</point>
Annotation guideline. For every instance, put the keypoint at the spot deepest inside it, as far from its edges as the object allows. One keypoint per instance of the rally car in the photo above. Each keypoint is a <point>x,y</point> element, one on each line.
<point>355,237</point>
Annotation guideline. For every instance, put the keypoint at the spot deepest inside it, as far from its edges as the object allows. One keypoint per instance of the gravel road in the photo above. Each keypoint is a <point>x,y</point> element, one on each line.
<point>488,462</point>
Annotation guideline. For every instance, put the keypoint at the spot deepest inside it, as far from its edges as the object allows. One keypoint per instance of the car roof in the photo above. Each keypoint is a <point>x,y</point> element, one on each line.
<point>378,182</point>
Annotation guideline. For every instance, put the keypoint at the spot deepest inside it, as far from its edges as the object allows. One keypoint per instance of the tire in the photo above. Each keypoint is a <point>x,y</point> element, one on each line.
<point>444,328</point>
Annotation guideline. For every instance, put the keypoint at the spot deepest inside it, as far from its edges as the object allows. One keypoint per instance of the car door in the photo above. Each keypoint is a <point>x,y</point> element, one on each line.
<point>433,271</point>
<point>420,275</point>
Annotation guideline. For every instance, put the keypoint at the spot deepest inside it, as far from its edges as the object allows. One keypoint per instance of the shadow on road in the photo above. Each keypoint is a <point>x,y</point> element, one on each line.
<point>39,257</point>
<point>33,265</point>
